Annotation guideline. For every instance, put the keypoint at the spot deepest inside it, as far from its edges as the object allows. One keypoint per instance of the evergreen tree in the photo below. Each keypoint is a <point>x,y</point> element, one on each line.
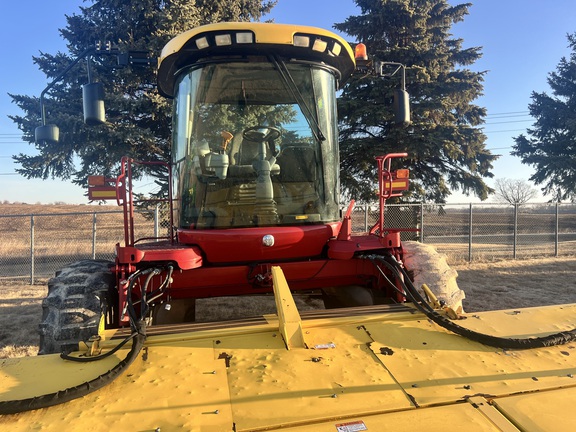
<point>445,146</point>
<point>550,146</point>
<point>139,119</point>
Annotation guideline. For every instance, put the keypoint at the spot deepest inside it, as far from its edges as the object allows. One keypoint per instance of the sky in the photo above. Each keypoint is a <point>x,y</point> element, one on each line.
<point>522,42</point>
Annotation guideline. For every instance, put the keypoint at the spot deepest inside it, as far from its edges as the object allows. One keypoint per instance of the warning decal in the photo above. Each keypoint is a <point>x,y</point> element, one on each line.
<point>351,426</point>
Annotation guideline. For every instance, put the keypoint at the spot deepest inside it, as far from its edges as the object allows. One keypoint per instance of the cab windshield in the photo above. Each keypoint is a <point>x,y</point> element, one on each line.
<point>255,145</point>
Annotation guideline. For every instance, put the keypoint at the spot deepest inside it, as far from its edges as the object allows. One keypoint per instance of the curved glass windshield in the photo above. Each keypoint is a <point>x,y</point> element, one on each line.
<point>255,145</point>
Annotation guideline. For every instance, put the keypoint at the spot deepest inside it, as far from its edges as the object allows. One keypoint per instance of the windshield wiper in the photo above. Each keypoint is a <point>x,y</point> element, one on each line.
<point>296,94</point>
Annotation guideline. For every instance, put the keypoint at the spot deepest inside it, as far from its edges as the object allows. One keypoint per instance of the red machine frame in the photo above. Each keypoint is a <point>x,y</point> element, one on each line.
<point>202,257</point>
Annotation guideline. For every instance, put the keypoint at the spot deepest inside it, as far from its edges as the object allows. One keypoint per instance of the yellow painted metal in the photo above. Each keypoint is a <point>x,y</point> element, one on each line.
<point>174,387</point>
<point>435,366</point>
<point>495,416</point>
<point>104,194</point>
<point>290,323</point>
<point>433,300</point>
<point>435,304</point>
<point>270,386</point>
<point>462,417</point>
<point>266,33</point>
<point>397,185</point>
<point>385,371</point>
<point>27,377</point>
<point>542,411</point>
<point>183,49</point>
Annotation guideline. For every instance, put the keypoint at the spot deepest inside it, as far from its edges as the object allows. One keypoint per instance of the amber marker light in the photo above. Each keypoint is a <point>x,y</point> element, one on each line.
<point>360,52</point>
<point>95,180</point>
<point>402,173</point>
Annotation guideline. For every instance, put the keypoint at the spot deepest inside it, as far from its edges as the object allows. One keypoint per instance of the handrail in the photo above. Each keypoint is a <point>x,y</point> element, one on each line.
<point>125,196</point>
<point>385,173</point>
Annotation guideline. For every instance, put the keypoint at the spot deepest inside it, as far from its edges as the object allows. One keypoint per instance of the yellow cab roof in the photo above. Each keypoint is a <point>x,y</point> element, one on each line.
<point>267,38</point>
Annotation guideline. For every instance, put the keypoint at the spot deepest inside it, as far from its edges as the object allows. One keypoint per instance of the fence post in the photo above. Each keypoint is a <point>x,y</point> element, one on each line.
<point>365,217</point>
<point>556,235</point>
<point>156,221</point>
<point>31,249</point>
<point>470,234</point>
<point>421,222</point>
<point>515,230</point>
<point>94,235</point>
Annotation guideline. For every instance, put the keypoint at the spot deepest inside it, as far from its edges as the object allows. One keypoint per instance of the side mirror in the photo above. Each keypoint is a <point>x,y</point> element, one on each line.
<point>402,108</point>
<point>94,113</point>
<point>93,104</point>
<point>93,101</point>
<point>50,134</point>
<point>401,97</point>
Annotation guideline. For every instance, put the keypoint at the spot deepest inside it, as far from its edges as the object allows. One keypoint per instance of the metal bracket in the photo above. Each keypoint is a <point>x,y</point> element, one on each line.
<point>290,323</point>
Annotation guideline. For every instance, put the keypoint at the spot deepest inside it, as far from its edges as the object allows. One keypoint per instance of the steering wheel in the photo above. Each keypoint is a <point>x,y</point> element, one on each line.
<point>260,133</point>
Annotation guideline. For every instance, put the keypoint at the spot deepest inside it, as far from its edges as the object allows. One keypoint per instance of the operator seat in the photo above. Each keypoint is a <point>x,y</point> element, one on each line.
<point>247,152</point>
<point>297,181</point>
<point>243,153</point>
<point>297,164</point>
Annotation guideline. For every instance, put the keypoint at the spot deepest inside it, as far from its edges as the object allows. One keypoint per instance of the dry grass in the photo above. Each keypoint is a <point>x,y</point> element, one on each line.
<point>488,286</point>
<point>516,284</point>
<point>63,229</point>
<point>20,313</point>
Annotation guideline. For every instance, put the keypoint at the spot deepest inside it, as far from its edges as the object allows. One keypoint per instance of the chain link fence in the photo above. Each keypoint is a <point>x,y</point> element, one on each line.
<point>484,232</point>
<point>36,245</point>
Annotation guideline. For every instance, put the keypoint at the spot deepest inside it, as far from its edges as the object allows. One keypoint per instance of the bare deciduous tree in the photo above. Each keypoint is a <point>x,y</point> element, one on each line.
<point>514,191</point>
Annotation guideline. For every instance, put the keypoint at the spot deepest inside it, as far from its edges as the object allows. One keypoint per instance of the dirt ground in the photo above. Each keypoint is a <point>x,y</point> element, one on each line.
<point>517,284</point>
<point>488,286</point>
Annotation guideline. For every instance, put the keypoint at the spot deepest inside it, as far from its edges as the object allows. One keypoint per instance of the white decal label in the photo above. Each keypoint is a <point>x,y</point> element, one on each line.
<point>351,426</point>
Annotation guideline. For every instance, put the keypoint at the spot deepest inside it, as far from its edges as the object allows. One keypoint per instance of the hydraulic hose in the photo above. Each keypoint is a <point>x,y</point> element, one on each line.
<point>61,396</point>
<point>495,341</point>
<point>138,337</point>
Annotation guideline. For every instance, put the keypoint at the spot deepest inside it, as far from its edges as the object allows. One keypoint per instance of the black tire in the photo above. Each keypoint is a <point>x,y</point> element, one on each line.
<point>77,298</point>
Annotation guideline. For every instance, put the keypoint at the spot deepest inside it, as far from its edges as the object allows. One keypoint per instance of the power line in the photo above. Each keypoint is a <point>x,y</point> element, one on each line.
<point>510,121</point>
<point>507,130</point>
<point>507,113</point>
<point>509,116</point>
<point>499,148</point>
